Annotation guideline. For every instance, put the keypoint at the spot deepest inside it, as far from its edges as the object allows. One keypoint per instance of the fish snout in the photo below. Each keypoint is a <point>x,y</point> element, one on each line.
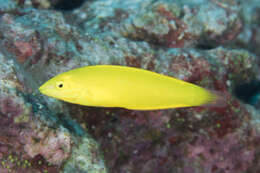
<point>45,88</point>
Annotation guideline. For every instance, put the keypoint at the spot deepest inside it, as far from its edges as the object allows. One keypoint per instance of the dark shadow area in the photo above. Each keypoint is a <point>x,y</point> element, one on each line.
<point>206,46</point>
<point>67,5</point>
<point>247,92</point>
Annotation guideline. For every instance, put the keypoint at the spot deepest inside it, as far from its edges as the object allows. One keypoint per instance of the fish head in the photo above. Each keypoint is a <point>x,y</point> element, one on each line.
<point>62,87</point>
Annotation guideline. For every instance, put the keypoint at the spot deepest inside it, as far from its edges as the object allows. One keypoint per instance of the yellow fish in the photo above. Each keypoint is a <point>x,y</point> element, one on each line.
<point>125,87</point>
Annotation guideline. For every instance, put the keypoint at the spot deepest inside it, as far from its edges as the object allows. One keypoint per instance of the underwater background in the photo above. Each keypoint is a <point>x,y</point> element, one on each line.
<point>211,43</point>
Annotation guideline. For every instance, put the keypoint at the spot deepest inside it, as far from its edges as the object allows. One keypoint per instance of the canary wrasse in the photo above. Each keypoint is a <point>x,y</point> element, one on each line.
<point>125,87</point>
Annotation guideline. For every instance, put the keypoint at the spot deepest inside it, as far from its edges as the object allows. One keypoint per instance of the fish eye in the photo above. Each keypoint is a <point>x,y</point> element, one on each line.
<point>60,85</point>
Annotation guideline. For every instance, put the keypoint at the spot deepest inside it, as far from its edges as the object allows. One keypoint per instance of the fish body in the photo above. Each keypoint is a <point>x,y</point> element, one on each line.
<point>125,87</point>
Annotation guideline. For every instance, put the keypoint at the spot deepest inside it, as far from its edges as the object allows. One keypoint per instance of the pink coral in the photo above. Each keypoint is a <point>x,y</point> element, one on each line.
<point>54,147</point>
<point>227,154</point>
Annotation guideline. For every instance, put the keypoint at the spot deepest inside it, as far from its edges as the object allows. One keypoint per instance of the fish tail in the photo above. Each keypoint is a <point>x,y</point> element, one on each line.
<point>216,99</point>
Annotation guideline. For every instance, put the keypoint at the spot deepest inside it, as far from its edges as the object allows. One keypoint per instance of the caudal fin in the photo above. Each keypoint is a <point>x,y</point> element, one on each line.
<point>216,99</point>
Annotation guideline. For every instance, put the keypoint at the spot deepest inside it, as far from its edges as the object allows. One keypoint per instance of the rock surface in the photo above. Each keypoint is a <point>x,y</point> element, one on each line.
<point>208,43</point>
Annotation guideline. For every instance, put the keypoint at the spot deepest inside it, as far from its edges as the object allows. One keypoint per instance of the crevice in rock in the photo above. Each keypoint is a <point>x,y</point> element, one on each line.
<point>67,5</point>
<point>248,92</point>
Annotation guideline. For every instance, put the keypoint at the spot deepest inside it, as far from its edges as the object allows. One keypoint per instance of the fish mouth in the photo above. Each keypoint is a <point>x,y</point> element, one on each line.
<point>42,90</point>
<point>45,88</point>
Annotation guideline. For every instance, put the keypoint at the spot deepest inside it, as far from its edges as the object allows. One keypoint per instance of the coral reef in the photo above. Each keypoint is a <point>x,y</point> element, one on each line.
<point>196,41</point>
<point>35,138</point>
<point>249,38</point>
<point>166,23</point>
